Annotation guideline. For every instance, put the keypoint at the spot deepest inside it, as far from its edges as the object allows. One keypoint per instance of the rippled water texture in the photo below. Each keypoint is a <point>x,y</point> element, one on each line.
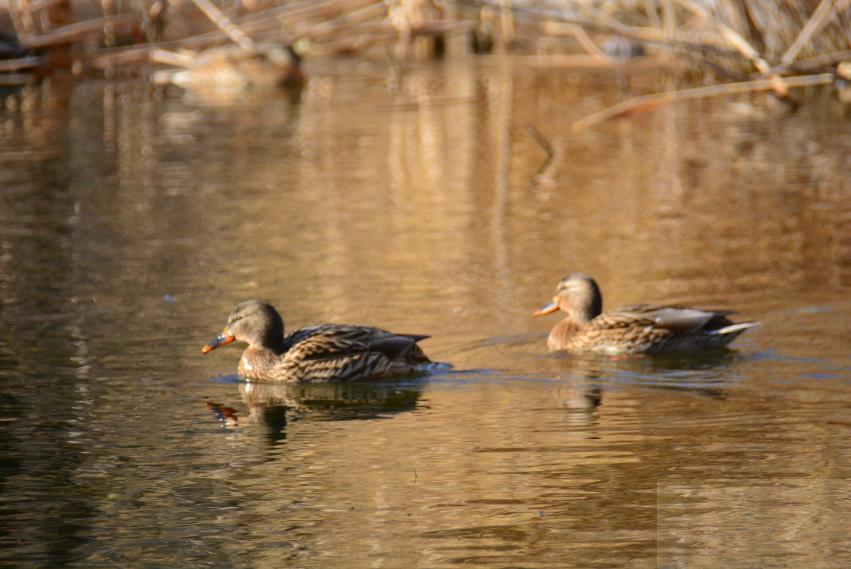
<point>132,223</point>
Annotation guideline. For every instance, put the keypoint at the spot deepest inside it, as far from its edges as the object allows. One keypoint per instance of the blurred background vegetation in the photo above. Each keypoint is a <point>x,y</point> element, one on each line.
<point>704,41</point>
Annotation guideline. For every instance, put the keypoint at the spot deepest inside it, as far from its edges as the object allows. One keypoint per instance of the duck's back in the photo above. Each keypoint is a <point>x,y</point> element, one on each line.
<point>648,329</point>
<point>332,352</point>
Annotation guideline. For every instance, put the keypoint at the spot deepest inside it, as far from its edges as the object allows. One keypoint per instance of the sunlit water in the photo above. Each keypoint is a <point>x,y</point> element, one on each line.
<point>131,222</point>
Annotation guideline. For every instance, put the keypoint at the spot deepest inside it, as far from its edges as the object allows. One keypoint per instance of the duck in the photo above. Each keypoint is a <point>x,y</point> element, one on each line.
<point>232,69</point>
<point>632,330</point>
<point>322,353</point>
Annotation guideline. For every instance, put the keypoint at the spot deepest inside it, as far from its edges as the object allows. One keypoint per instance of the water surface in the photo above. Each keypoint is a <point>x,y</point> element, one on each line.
<point>132,221</point>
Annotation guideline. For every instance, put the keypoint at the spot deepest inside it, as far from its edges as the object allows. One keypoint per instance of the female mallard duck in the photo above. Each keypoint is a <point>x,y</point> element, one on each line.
<point>639,329</point>
<point>328,352</point>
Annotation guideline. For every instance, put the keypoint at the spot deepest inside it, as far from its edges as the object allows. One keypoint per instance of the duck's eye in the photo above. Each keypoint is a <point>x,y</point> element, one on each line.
<point>237,318</point>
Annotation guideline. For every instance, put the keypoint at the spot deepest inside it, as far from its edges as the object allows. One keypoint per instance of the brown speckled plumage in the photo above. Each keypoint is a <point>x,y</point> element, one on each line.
<point>639,329</point>
<point>328,352</point>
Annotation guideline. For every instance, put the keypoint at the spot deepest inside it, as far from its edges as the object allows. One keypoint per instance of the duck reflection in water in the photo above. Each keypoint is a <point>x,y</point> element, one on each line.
<point>270,404</point>
<point>639,329</point>
<point>328,352</point>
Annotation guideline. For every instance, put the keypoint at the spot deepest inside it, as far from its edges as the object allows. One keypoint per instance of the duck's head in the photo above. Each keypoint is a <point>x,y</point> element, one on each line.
<point>579,296</point>
<point>253,321</point>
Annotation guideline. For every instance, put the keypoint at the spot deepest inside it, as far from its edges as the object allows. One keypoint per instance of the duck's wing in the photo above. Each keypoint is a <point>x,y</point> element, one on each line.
<point>332,341</point>
<point>392,345</point>
<point>677,319</point>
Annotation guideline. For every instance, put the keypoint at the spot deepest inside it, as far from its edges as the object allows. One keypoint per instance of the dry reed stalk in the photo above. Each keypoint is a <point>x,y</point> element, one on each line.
<point>506,19</point>
<point>335,26</point>
<point>163,76</point>
<point>402,22</point>
<point>275,18</point>
<point>22,63</point>
<point>821,60</point>
<point>130,54</point>
<point>583,39</point>
<point>74,31</point>
<point>567,9</point>
<point>730,35</point>
<point>567,28</point>
<point>669,18</point>
<point>371,11</point>
<point>141,54</point>
<point>559,60</point>
<point>115,57</point>
<point>22,19</point>
<point>816,21</point>
<point>327,29</point>
<point>649,102</point>
<point>610,25</point>
<point>279,12</point>
<point>226,25</point>
<point>652,16</point>
<point>383,35</point>
<point>13,79</point>
<point>171,58</point>
<point>39,5</point>
<point>410,15</point>
<point>436,27</point>
<point>349,45</point>
<point>440,27</point>
<point>729,42</point>
<point>322,9</point>
<point>685,41</point>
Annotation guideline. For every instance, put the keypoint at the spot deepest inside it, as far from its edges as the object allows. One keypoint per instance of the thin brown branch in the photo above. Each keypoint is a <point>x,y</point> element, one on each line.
<point>647,102</point>
<point>74,31</point>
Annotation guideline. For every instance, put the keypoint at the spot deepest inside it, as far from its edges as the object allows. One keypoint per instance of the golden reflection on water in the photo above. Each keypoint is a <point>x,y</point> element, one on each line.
<point>130,226</point>
<point>429,193</point>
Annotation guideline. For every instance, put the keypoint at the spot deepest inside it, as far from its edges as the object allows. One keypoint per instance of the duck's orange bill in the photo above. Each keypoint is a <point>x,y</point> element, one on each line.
<point>546,309</point>
<point>221,340</point>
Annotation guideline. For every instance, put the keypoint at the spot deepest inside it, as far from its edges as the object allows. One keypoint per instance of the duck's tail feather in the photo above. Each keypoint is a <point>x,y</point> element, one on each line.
<point>733,328</point>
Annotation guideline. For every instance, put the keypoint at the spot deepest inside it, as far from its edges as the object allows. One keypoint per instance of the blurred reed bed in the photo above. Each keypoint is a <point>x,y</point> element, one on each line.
<point>745,44</point>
